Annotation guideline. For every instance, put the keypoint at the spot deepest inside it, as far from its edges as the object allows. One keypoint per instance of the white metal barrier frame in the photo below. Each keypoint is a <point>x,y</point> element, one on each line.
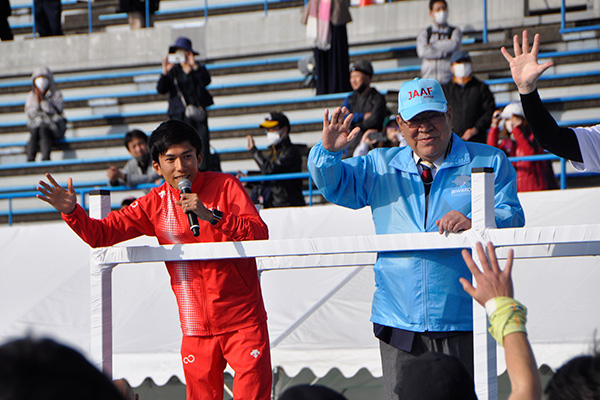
<point>564,241</point>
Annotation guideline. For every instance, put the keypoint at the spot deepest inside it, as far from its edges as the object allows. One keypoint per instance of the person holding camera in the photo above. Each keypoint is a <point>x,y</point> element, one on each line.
<point>44,109</point>
<point>185,80</point>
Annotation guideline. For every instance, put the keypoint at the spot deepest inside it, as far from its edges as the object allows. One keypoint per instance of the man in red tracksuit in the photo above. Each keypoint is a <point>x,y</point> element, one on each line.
<point>221,309</point>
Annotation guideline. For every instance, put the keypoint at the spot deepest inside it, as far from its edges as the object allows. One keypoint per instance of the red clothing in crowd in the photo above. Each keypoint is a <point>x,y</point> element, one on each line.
<point>531,175</point>
<point>215,297</point>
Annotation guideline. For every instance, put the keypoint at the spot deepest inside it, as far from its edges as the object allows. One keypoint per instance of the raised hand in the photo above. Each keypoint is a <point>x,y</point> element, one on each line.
<point>336,132</point>
<point>524,65</point>
<point>63,200</point>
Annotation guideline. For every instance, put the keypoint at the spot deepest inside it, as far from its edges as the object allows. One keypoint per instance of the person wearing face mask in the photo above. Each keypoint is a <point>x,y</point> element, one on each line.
<point>365,103</point>
<point>531,175</point>
<point>282,157</point>
<point>185,81</point>
<point>43,108</point>
<point>471,99</point>
<point>436,43</point>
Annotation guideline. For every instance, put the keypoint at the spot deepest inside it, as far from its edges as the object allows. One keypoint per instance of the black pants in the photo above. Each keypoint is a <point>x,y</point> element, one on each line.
<point>42,139</point>
<point>47,17</point>
<point>333,66</point>
<point>5,32</point>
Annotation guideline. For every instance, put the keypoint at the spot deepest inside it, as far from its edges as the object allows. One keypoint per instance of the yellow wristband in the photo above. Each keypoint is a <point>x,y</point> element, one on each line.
<point>507,316</point>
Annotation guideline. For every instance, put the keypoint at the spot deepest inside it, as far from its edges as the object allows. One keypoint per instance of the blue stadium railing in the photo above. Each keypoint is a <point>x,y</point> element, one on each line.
<point>82,191</point>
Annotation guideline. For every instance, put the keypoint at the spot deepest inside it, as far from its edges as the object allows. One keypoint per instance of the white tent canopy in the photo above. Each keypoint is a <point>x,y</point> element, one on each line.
<point>318,318</point>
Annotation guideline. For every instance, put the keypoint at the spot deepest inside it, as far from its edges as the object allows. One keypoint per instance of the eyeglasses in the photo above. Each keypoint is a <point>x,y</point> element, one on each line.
<point>433,118</point>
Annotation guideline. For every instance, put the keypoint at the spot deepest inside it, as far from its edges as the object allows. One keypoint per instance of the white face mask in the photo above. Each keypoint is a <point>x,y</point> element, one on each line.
<point>462,70</point>
<point>508,125</point>
<point>273,136</point>
<point>440,17</point>
<point>42,83</point>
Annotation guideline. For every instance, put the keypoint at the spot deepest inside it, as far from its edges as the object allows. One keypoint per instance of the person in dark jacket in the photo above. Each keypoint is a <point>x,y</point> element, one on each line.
<point>5,11</point>
<point>365,102</point>
<point>136,12</point>
<point>472,101</point>
<point>185,80</point>
<point>282,157</point>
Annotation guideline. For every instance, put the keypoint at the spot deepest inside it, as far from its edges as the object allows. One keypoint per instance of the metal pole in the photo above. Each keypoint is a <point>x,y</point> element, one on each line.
<point>563,174</point>
<point>9,211</point>
<point>89,16</point>
<point>266,8</point>
<point>562,15</point>
<point>485,20</point>
<point>147,13</point>
<point>33,17</point>
<point>205,11</point>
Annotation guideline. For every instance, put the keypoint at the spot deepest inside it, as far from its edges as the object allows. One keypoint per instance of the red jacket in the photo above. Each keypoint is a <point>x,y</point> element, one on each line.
<point>214,296</point>
<point>531,175</point>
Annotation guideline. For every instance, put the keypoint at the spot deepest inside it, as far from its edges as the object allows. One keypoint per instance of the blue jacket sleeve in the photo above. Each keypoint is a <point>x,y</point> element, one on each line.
<point>347,183</point>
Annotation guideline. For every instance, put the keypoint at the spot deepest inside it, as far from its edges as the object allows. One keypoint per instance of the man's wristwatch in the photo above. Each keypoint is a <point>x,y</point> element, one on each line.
<point>216,216</point>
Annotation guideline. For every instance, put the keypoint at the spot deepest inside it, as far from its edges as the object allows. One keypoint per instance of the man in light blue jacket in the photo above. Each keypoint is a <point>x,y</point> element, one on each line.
<point>419,304</point>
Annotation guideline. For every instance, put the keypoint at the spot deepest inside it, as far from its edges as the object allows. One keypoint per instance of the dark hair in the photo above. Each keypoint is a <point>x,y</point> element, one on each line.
<point>432,2</point>
<point>577,379</point>
<point>136,133</point>
<point>42,369</point>
<point>173,132</point>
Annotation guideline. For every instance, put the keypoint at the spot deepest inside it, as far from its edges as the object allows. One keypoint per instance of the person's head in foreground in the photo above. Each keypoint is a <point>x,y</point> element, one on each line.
<point>42,369</point>
<point>425,118</point>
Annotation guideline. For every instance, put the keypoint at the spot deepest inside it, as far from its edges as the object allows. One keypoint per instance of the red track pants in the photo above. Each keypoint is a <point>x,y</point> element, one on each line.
<point>248,353</point>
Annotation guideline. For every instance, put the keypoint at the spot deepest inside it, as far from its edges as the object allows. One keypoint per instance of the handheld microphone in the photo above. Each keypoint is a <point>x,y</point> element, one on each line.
<point>185,186</point>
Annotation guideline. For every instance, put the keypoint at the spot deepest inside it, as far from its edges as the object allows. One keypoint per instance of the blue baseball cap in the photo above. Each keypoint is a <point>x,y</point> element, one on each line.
<point>420,95</point>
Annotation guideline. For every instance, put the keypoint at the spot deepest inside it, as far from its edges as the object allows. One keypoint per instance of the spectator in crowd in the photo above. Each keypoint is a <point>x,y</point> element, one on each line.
<point>33,369</point>
<point>185,80</point>
<point>127,202</point>
<point>47,17</point>
<point>579,378</point>
<point>136,12</point>
<point>372,139</point>
<point>139,169</point>
<point>471,100</point>
<point>365,103</point>
<point>531,175</point>
<point>125,389</point>
<point>221,309</point>
<point>44,110</point>
<point>5,11</point>
<point>418,304</point>
<point>580,145</point>
<point>326,26</point>
<point>282,157</point>
<point>437,43</point>
<point>437,376</point>
<point>310,392</point>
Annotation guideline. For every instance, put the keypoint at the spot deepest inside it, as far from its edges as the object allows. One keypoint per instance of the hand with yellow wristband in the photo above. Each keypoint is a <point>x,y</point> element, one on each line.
<point>507,320</point>
<point>495,292</point>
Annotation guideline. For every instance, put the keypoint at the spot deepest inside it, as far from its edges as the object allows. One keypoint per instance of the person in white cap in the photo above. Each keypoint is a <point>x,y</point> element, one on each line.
<point>419,304</point>
<point>581,145</point>
<point>531,175</point>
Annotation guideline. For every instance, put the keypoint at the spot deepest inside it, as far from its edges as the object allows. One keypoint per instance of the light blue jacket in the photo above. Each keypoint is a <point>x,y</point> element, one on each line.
<point>420,290</point>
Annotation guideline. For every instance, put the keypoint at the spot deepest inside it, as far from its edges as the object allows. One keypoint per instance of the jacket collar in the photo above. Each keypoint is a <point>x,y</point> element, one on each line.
<point>458,156</point>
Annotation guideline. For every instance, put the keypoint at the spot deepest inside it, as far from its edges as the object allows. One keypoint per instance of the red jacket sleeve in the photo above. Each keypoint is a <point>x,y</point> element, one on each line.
<point>240,218</point>
<point>117,227</point>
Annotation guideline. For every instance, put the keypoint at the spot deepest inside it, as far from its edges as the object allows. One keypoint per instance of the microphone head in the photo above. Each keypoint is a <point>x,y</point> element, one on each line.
<point>184,184</point>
